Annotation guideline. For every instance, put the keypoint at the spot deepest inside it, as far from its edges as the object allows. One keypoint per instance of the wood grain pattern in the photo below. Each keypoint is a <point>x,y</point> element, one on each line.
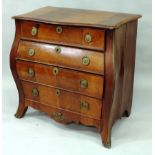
<point>118,93</point>
<point>72,36</point>
<point>68,58</point>
<point>66,79</point>
<point>79,17</point>
<point>66,100</point>
<point>129,67</point>
<point>68,117</point>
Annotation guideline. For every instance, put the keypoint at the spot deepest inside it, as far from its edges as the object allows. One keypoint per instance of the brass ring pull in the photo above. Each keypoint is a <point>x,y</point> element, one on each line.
<point>35,92</point>
<point>84,105</point>
<point>57,92</point>
<point>31,72</point>
<point>88,38</point>
<point>59,29</point>
<point>31,52</point>
<point>83,84</point>
<point>58,116</point>
<point>55,70</point>
<point>34,31</point>
<point>85,61</point>
<point>58,49</point>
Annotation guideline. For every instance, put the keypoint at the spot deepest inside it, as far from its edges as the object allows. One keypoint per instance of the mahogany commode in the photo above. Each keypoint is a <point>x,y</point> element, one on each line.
<point>75,65</point>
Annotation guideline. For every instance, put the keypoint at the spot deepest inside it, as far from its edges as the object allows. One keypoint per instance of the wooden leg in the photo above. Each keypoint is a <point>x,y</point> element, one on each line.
<point>21,110</point>
<point>126,113</point>
<point>106,137</point>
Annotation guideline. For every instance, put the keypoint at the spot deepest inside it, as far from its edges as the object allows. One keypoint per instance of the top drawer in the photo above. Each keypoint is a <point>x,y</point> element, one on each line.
<point>66,35</point>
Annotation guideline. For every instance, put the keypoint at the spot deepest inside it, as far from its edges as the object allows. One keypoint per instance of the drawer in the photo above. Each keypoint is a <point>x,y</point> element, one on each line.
<point>91,38</point>
<point>63,56</point>
<point>62,99</point>
<point>84,83</point>
<point>63,116</point>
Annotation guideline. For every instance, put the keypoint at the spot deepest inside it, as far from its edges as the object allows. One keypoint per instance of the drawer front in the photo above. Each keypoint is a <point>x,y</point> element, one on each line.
<point>84,83</point>
<point>59,98</point>
<point>67,35</point>
<point>62,56</point>
<point>63,116</point>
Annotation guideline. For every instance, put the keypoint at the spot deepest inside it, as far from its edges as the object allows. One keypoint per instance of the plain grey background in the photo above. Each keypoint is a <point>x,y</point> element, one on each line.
<point>38,134</point>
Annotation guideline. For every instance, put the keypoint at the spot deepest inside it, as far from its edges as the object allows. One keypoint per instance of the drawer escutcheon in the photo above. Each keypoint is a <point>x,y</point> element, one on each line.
<point>59,29</point>
<point>84,105</point>
<point>31,52</point>
<point>57,50</point>
<point>35,92</point>
<point>34,31</point>
<point>57,92</point>
<point>58,116</point>
<point>83,83</point>
<point>55,71</point>
<point>88,38</point>
<point>31,72</point>
<point>85,61</point>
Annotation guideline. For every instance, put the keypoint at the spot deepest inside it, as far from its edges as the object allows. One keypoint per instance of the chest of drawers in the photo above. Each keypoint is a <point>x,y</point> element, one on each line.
<point>75,65</point>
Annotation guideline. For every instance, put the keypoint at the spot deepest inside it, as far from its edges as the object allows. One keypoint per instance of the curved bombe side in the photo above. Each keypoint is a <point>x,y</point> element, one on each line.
<point>119,75</point>
<point>22,108</point>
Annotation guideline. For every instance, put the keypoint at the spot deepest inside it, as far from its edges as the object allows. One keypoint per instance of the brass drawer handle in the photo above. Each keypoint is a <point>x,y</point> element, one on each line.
<point>58,49</point>
<point>88,38</point>
<point>35,92</point>
<point>58,116</point>
<point>57,92</point>
<point>31,72</point>
<point>84,105</point>
<point>34,31</point>
<point>55,70</point>
<point>85,61</point>
<point>31,52</point>
<point>83,83</point>
<point>59,29</point>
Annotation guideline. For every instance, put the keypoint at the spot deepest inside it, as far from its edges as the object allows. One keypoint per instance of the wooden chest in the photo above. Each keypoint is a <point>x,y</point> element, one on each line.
<point>75,65</point>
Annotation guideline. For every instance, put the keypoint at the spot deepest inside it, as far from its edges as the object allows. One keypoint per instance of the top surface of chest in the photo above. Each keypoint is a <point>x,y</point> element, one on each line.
<point>79,17</point>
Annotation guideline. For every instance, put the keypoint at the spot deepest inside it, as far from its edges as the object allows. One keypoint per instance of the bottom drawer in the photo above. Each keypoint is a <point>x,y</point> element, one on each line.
<point>55,97</point>
<point>63,116</point>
